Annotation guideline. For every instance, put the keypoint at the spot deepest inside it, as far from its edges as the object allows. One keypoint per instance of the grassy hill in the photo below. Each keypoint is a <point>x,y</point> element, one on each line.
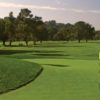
<point>15,73</point>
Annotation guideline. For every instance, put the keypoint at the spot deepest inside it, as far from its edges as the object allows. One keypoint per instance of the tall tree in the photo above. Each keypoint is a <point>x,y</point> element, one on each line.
<point>10,27</point>
<point>23,26</point>
<point>84,30</point>
<point>42,33</point>
<point>89,32</point>
<point>37,28</point>
<point>3,36</point>
<point>52,29</point>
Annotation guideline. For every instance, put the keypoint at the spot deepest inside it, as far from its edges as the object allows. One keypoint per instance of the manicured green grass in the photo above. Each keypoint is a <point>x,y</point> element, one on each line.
<point>15,73</point>
<point>78,80</point>
<point>58,50</point>
<point>71,71</point>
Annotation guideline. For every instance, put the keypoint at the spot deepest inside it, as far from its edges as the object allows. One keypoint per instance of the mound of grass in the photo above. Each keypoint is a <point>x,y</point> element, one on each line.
<point>15,73</point>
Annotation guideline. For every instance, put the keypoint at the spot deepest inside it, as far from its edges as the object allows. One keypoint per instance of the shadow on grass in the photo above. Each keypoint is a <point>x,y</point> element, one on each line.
<point>57,65</point>
<point>50,46</point>
<point>38,52</point>
<point>45,51</point>
<point>50,55</point>
<point>17,46</point>
<point>10,52</point>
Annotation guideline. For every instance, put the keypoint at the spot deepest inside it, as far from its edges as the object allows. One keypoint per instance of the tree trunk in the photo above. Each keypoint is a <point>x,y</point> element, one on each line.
<point>34,42</point>
<point>26,43</point>
<point>79,41</point>
<point>41,42</point>
<point>86,40</point>
<point>10,43</point>
<point>4,43</point>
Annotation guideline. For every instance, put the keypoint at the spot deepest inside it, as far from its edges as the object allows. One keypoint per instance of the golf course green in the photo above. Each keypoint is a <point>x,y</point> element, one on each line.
<point>71,71</point>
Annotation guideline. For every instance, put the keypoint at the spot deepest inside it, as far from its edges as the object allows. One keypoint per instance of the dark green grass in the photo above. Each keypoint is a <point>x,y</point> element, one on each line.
<point>15,73</point>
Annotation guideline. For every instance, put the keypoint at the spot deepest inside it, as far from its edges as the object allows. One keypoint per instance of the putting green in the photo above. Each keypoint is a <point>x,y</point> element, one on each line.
<point>62,79</point>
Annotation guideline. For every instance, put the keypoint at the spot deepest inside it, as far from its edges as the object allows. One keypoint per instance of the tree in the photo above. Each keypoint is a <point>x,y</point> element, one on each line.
<point>65,33</point>
<point>79,30</point>
<point>52,29</point>
<point>42,33</point>
<point>27,27</point>
<point>10,27</point>
<point>97,35</point>
<point>37,29</point>
<point>23,24</point>
<point>89,32</point>
<point>3,36</point>
<point>84,30</point>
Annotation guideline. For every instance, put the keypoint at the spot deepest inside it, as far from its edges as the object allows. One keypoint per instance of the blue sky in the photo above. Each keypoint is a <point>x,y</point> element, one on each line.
<point>60,10</point>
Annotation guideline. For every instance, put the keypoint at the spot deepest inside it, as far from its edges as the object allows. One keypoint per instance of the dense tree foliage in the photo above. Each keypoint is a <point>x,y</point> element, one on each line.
<point>26,27</point>
<point>97,35</point>
<point>84,30</point>
<point>3,36</point>
<point>65,33</point>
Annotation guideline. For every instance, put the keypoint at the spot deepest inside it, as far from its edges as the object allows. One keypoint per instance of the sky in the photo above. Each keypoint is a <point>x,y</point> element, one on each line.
<point>63,11</point>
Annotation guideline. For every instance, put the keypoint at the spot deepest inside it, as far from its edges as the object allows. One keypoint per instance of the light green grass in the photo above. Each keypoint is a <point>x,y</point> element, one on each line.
<point>71,72</point>
<point>78,80</point>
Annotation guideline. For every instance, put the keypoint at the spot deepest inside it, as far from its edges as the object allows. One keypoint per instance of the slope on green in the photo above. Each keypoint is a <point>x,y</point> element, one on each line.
<point>15,73</point>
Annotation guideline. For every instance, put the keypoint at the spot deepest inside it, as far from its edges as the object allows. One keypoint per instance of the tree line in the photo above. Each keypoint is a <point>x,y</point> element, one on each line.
<point>26,27</point>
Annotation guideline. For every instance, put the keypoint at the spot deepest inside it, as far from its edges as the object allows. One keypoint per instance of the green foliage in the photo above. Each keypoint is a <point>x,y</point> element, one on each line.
<point>3,36</point>
<point>84,30</point>
<point>10,27</point>
<point>26,27</point>
<point>65,33</point>
<point>52,29</point>
<point>97,35</point>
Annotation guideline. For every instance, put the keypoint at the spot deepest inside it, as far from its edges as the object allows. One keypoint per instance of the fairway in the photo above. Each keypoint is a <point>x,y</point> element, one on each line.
<point>71,72</point>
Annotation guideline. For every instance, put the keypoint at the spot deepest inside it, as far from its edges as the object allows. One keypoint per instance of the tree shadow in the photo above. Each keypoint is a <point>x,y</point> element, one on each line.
<point>50,54</point>
<point>75,46</point>
<point>39,54</point>
<point>45,51</point>
<point>57,65</point>
<point>49,46</point>
<point>36,52</point>
<point>10,52</point>
<point>17,46</point>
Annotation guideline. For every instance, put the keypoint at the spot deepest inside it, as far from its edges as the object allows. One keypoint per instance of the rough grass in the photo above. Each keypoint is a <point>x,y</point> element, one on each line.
<point>15,73</point>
